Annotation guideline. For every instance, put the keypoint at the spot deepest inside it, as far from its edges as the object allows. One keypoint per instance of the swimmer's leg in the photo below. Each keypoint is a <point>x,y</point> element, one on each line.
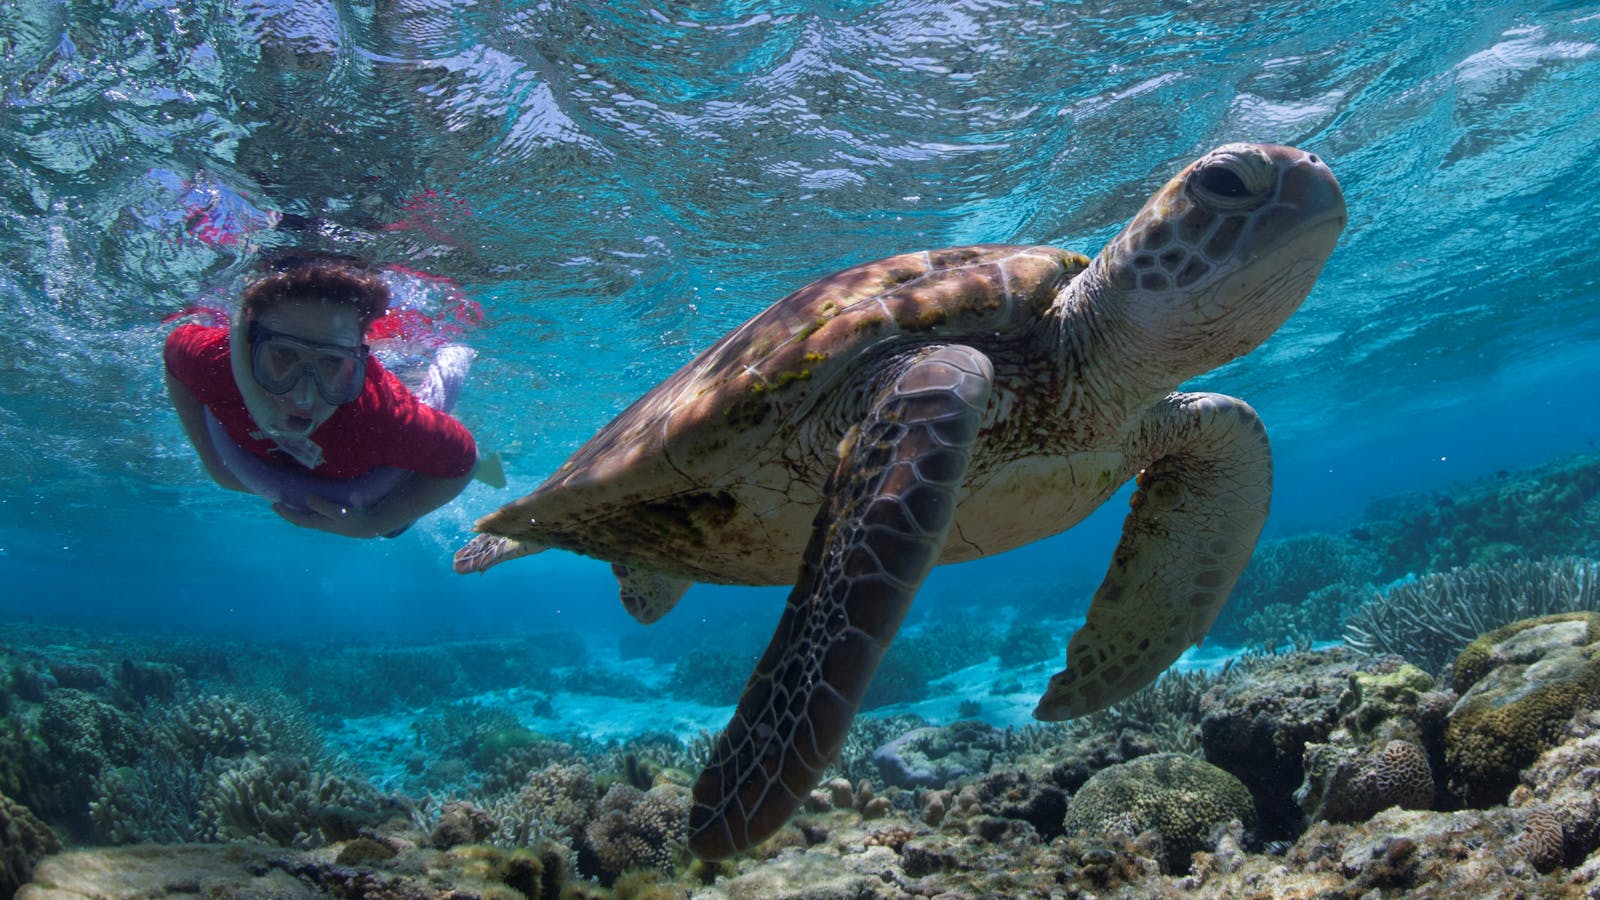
<point>442,382</point>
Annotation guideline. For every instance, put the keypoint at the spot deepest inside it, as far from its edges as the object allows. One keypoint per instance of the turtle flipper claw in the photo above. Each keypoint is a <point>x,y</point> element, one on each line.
<point>887,509</point>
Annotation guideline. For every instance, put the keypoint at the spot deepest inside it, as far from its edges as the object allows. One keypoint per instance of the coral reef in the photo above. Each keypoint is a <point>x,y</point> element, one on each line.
<point>555,803</point>
<point>1429,620</point>
<point>154,801</point>
<point>360,681</point>
<point>840,794</point>
<point>1166,711</point>
<point>214,725</point>
<point>1015,794</point>
<point>1549,511</point>
<point>24,840</point>
<point>933,757</point>
<point>460,823</point>
<point>865,736</point>
<point>1258,727</point>
<point>1520,686</point>
<point>1296,588</point>
<point>922,654</point>
<point>709,677</point>
<point>635,829</point>
<point>1383,751</point>
<point>1560,793</point>
<point>285,799</point>
<point>1337,755</point>
<point>997,832</point>
<point>1351,783</point>
<point>79,737</point>
<point>1026,642</point>
<point>1181,798</point>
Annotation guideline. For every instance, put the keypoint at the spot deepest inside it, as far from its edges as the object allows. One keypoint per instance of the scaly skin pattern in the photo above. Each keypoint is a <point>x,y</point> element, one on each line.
<point>942,406</point>
<point>890,502</point>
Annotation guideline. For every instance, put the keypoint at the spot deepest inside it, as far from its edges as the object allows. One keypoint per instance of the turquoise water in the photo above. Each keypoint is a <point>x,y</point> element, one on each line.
<point>619,184</point>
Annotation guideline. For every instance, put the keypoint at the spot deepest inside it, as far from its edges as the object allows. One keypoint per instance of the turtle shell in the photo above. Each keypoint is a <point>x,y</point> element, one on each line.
<point>747,431</point>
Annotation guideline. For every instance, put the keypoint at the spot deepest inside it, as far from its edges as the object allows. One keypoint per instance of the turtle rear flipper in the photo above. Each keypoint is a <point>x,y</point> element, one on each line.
<point>886,511</point>
<point>648,595</point>
<point>1197,513</point>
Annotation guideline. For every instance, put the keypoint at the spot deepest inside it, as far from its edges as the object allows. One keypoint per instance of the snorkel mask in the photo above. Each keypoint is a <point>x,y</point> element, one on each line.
<point>279,361</point>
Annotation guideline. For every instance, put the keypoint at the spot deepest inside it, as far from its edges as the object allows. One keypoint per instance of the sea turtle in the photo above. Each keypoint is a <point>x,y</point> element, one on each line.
<point>940,406</point>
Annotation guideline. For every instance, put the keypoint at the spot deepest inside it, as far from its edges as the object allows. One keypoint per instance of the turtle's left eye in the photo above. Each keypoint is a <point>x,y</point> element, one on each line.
<point>1232,178</point>
<point>1222,181</point>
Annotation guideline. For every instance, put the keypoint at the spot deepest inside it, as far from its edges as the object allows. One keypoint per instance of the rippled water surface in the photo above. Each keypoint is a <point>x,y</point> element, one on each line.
<point>618,184</point>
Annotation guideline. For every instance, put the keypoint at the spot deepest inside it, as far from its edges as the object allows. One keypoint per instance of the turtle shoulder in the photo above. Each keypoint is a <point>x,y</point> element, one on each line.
<point>739,398</point>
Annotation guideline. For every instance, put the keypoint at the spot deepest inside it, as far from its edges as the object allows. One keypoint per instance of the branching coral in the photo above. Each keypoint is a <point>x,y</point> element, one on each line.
<point>866,735</point>
<point>284,799</point>
<point>1285,590</point>
<point>78,737</point>
<point>152,802</point>
<point>229,725</point>
<point>1429,620</point>
<point>1168,709</point>
<point>555,803</point>
<point>635,829</point>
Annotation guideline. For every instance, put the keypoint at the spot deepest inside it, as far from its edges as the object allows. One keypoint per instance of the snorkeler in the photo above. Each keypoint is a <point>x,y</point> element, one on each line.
<point>289,404</point>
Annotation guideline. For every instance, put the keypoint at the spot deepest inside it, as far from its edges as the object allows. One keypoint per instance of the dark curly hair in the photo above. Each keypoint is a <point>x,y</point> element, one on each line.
<point>330,279</point>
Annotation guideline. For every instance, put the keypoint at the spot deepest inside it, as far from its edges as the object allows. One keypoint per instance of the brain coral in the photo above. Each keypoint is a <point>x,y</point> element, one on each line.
<point>1560,797</point>
<point>1350,784</point>
<point>1520,686</point>
<point>1180,797</point>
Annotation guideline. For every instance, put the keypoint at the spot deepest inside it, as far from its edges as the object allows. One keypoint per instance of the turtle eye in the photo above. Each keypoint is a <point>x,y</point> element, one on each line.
<point>1232,178</point>
<point>1222,182</point>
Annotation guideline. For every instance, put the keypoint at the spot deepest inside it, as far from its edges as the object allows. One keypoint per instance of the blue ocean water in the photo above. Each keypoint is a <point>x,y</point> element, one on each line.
<point>619,184</point>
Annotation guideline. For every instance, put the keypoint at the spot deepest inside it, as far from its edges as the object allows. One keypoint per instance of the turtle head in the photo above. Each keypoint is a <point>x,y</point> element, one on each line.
<point>1223,254</point>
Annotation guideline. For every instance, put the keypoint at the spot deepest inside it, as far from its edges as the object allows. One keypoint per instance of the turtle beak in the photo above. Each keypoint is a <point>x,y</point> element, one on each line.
<point>1310,196</point>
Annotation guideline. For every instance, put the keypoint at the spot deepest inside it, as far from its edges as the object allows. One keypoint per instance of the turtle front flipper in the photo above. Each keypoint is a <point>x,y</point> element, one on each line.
<point>882,524</point>
<point>485,551</point>
<point>1195,518</point>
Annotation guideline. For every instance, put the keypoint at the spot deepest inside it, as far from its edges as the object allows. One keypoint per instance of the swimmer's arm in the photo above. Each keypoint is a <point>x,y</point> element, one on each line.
<point>411,499</point>
<point>193,417</point>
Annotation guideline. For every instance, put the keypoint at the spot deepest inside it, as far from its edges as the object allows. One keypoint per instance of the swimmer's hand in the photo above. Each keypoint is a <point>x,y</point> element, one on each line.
<point>325,515</point>
<point>414,497</point>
